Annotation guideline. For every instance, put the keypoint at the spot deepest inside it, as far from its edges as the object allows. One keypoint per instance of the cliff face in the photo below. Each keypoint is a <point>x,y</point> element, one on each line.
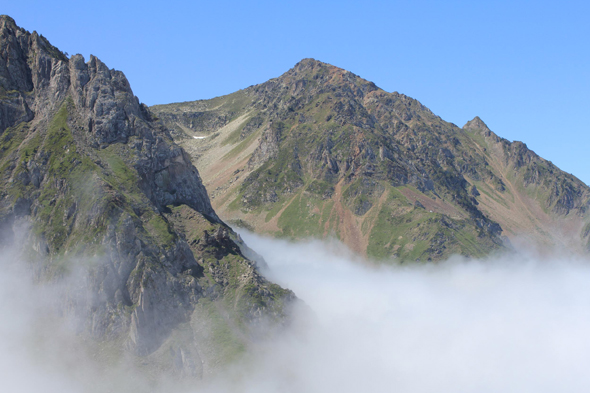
<point>100,187</point>
<point>322,152</point>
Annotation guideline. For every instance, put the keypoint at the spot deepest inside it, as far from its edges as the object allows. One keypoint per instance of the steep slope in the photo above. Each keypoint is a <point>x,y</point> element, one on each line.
<point>536,202</point>
<point>321,152</point>
<point>92,185</point>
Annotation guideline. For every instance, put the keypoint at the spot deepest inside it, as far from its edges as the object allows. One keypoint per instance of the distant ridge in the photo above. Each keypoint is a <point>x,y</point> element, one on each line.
<point>321,152</point>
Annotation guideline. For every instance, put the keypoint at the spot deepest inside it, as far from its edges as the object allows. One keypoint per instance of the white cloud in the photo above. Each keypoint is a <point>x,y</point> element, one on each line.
<point>506,324</point>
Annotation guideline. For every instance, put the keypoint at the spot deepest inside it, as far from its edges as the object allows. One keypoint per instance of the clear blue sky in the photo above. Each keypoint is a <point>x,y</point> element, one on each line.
<point>522,66</point>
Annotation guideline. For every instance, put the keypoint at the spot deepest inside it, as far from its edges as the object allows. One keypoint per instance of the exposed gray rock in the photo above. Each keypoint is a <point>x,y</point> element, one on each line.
<point>108,194</point>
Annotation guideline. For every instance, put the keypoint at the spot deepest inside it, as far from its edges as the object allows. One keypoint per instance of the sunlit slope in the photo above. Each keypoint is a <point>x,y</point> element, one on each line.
<point>536,201</point>
<point>92,185</point>
<point>321,152</point>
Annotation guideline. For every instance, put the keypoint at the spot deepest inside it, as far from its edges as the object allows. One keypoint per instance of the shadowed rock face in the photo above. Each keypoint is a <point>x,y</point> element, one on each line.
<point>102,190</point>
<point>322,152</point>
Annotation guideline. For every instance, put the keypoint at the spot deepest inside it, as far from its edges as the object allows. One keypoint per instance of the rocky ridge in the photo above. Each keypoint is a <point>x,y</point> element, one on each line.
<point>93,184</point>
<point>322,152</point>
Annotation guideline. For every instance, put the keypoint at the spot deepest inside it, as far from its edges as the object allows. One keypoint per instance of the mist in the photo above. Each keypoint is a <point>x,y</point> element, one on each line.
<point>43,347</point>
<point>513,323</point>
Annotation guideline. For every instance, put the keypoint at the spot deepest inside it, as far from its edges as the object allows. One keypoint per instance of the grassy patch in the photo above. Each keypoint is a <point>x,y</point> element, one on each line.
<point>411,234</point>
<point>235,136</point>
<point>10,140</point>
<point>121,175</point>
<point>216,332</point>
<point>159,228</point>
<point>303,217</point>
<point>242,145</point>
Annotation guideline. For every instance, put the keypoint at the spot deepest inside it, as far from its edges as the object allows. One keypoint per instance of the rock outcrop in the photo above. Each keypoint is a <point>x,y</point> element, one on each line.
<point>106,193</point>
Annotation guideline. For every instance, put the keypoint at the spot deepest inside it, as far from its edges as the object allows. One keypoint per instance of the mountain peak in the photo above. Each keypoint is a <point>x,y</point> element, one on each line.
<point>313,66</point>
<point>313,77</point>
<point>476,124</point>
<point>320,139</point>
<point>108,167</point>
<point>6,22</point>
<point>7,19</point>
<point>310,62</point>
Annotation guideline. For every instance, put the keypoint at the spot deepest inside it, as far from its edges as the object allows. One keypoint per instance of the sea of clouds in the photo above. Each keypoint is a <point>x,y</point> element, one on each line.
<point>513,323</point>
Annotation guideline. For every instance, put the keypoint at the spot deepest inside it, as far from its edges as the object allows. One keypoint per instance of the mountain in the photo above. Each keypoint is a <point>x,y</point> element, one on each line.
<point>99,197</point>
<point>321,152</point>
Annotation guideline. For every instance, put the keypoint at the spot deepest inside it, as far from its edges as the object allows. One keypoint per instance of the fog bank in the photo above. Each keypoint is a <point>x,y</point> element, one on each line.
<point>506,324</point>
